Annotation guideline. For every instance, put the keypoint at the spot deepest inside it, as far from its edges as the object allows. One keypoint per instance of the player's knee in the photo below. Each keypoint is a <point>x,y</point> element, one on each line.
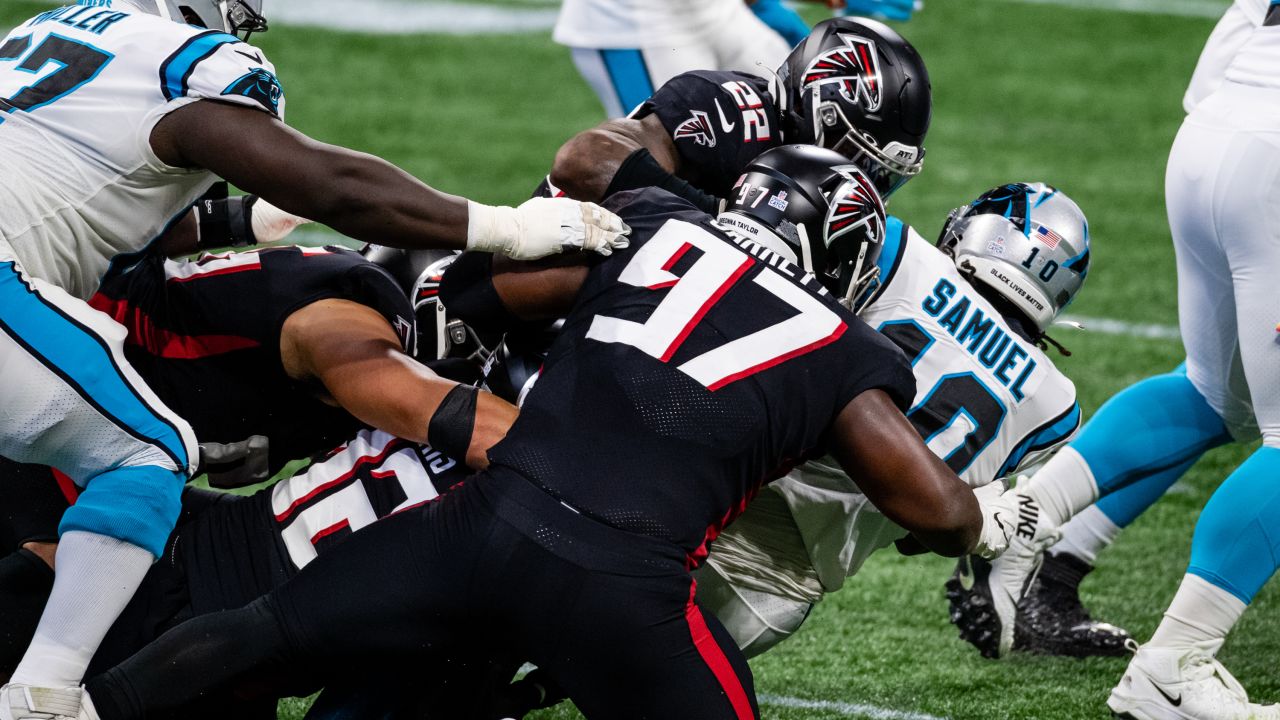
<point>138,505</point>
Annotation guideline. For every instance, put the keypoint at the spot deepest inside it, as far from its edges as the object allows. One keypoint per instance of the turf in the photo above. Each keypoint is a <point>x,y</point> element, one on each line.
<point>1087,100</point>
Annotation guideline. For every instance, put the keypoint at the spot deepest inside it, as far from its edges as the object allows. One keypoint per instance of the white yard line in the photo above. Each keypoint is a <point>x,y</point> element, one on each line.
<point>855,710</point>
<point>406,17</point>
<point>1109,326</point>
<point>1180,8</point>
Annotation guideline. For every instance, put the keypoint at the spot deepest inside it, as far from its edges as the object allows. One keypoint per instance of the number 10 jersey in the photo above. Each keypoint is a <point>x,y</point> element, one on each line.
<point>987,402</point>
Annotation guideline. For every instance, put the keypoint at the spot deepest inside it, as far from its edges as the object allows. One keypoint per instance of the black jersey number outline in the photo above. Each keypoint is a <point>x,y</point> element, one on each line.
<point>956,398</point>
<point>692,295</point>
<point>79,63</point>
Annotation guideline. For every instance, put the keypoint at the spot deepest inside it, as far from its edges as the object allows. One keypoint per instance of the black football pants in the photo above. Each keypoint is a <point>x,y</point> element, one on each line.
<point>495,568</point>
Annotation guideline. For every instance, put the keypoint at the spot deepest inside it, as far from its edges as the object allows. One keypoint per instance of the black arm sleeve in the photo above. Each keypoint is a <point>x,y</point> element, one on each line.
<point>468,292</point>
<point>641,170</point>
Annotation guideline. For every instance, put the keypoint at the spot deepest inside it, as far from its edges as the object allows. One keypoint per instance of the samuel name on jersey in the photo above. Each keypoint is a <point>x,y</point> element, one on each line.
<point>81,88</point>
<point>988,402</point>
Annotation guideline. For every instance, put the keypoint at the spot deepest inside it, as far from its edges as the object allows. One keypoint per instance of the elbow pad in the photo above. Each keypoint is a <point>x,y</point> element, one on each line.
<point>467,291</point>
<point>641,170</point>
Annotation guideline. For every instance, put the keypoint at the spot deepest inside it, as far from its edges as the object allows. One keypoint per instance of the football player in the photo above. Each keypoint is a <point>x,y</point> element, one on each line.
<point>115,116</point>
<point>971,316</point>
<point>625,49</point>
<point>1220,186</point>
<point>692,367</point>
<point>256,349</point>
<point>854,86</point>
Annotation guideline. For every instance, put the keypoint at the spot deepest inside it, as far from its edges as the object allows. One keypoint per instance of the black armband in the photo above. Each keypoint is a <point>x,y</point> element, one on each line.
<point>454,421</point>
<point>641,170</point>
<point>467,291</point>
<point>227,222</point>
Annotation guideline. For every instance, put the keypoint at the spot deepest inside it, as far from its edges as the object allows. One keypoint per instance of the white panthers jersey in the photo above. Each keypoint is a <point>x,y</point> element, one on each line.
<point>642,23</point>
<point>1257,60</point>
<point>1243,49</point>
<point>81,88</point>
<point>987,402</point>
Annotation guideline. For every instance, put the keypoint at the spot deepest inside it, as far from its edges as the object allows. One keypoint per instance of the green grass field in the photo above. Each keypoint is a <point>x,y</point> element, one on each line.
<point>1088,100</point>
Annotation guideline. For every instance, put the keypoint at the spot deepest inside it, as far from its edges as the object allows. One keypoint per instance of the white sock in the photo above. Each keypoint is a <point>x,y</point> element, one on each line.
<point>95,578</point>
<point>1200,612</point>
<point>1087,534</point>
<point>1063,487</point>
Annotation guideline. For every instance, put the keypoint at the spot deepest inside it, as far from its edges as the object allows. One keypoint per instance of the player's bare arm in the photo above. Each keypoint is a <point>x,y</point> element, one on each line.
<point>355,354</point>
<point>586,165</point>
<point>884,454</point>
<point>363,196</point>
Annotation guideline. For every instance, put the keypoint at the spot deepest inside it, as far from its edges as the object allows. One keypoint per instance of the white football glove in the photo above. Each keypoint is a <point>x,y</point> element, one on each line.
<point>1006,514</point>
<point>999,519</point>
<point>271,224</point>
<point>544,226</point>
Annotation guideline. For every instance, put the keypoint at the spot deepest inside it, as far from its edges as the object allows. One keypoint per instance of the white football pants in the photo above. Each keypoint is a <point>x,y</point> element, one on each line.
<point>624,78</point>
<point>1222,189</point>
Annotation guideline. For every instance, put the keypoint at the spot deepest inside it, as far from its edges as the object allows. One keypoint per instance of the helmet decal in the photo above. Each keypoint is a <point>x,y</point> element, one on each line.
<point>854,205</point>
<point>853,69</point>
<point>698,127</point>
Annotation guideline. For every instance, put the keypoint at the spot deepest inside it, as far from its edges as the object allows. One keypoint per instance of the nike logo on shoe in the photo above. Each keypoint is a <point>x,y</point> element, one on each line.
<point>725,125</point>
<point>1174,701</point>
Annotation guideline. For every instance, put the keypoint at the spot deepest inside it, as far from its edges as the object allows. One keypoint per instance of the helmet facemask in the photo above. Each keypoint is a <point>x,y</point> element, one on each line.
<point>853,234</point>
<point>230,16</point>
<point>889,168</point>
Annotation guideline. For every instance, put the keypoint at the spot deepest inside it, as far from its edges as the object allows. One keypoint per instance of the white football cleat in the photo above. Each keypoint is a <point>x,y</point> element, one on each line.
<point>1164,683</point>
<point>24,702</point>
<point>984,595</point>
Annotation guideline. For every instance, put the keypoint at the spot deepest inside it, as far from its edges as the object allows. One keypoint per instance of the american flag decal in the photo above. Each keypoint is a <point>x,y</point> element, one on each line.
<point>1047,236</point>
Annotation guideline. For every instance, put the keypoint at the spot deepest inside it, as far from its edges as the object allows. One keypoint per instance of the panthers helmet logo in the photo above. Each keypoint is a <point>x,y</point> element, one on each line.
<point>697,127</point>
<point>260,85</point>
<point>855,206</point>
<point>853,69</point>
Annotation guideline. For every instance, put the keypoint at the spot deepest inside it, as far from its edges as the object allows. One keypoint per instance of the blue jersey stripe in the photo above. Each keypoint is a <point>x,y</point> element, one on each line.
<point>895,245</point>
<point>1048,435</point>
<point>630,76</point>
<point>84,361</point>
<point>177,69</point>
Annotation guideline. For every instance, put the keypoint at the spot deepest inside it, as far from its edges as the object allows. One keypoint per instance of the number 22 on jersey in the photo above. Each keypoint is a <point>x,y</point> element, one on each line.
<point>691,296</point>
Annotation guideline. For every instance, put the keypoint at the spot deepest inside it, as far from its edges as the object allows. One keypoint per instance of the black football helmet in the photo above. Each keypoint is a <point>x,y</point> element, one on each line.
<point>858,87</point>
<point>822,206</point>
<point>418,272</point>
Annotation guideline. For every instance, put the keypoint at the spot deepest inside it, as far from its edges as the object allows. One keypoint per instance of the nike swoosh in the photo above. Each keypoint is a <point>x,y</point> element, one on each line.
<point>1172,700</point>
<point>724,122</point>
<point>255,58</point>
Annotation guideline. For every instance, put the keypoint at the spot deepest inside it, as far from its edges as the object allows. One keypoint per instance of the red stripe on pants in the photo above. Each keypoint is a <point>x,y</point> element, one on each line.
<point>715,659</point>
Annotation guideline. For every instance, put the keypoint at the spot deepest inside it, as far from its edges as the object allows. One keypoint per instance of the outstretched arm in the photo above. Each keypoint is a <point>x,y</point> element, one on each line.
<point>363,196</point>
<point>353,351</point>
<point>885,456</point>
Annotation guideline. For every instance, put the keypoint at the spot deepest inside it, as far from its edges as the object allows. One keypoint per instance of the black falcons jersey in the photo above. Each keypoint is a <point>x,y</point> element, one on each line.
<point>205,336</point>
<point>235,549</point>
<point>692,369</point>
<point>719,121</point>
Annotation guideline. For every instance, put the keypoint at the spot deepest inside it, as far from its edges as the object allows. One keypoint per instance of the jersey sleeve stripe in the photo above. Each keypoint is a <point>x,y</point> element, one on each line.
<point>895,245</point>
<point>176,70</point>
<point>1047,435</point>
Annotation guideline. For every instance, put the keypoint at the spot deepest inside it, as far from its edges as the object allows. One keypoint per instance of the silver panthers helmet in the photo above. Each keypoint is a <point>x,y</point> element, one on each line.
<point>230,16</point>
<point>1028,242</point>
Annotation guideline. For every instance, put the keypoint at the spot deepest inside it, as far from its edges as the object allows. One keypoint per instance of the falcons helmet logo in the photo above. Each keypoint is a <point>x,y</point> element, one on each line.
<point>855,206</point>
<point>697,127</point>
<point>853,69</point>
